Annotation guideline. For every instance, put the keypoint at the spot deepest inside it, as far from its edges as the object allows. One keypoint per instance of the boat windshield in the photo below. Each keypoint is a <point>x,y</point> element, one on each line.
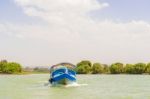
<point>63,65</point>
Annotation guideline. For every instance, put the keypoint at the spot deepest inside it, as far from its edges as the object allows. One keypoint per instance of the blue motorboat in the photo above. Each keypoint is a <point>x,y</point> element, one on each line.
<point>62,74</point>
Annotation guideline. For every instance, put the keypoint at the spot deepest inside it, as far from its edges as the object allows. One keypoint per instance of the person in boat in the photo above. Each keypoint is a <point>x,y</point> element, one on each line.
<point>50,80</point>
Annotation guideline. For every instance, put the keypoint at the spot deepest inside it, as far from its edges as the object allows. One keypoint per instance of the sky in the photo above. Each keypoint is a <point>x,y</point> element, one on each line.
<point>46,32</point>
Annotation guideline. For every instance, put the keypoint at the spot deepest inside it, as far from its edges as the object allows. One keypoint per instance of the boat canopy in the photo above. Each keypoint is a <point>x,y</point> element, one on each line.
<point>67,65</point>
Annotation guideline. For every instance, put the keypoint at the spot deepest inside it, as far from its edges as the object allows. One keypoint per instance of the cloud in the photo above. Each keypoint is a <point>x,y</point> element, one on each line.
<point>65,18</point>
<point>69,20</point>
<point>59,10</point>
<point>68,24</point>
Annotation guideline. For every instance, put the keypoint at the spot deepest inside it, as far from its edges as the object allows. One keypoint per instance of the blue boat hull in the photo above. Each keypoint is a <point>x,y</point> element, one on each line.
<point>62,76</point>
<point>63,79</point>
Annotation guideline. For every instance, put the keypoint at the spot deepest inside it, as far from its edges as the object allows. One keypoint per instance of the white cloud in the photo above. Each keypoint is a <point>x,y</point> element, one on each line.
<point>68,24</point>
<point>59,10</point>
<point>65,18</point>
<point>69,19</point>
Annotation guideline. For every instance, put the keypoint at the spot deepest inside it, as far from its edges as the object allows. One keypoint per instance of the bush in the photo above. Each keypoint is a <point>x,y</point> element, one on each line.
<point>3,65</point>
<point>10,67</point>
<point>97,68</point>
<point>129,69</point>
<point>106,69</point>
<point>147,70</point>
<point>85,62</point>
<point>139,68</point>
<point>84,67</point>
<point>116,68</point>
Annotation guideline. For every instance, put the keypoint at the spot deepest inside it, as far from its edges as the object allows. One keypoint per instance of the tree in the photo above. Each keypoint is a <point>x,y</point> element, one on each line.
<point>84,67</point>
<point>139,68</point>
<point>97,68</point>
<point>116,68</point>
<point>85,62</point>
<point>3,64</point>
<point>147,70</point>
<point>10,67</point>
<point>106,68</point>
<point>129,69</point>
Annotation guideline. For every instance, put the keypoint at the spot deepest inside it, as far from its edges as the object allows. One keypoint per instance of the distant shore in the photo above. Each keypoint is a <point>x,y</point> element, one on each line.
<point>30,73</point>
<point>24,73</point>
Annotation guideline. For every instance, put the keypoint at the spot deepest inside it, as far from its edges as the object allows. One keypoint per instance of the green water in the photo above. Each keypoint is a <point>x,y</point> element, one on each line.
<point>98,87</point>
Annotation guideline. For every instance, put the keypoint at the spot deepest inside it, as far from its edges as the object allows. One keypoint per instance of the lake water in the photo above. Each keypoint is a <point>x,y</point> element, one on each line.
<point>90,87</point>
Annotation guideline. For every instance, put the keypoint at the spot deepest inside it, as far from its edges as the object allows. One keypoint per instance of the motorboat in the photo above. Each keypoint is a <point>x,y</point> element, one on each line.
<point>62,74</point>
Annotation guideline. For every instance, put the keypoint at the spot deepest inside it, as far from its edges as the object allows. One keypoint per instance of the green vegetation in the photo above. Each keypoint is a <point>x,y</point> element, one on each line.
<point>10,67</point>
<point>83,67</point>
<point>116,68</point>
<point>139,68</point>
<point>106,69</point>
<point>86,67</point>
<point>16,68</point>
<point>147,69</point>
<point>97,68</point>
<point>35,70</point>
<point>40,70</point>
<point>129,69</point>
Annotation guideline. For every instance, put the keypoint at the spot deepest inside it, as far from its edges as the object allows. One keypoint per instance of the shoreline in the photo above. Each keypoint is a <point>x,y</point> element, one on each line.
<point>30,73</point>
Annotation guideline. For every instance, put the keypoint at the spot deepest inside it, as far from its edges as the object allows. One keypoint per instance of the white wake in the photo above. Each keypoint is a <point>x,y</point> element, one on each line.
<point>75,84</point>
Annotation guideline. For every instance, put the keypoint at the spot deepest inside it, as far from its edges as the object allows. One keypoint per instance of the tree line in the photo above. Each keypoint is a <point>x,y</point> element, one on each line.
<point>86,67</point>
<point>83,67</point>
<point>10,67</point>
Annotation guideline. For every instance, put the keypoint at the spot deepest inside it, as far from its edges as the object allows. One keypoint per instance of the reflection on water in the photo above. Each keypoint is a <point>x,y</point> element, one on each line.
<point>88,87</point>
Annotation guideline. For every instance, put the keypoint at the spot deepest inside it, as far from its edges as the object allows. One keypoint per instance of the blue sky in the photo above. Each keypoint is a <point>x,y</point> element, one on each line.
<point>10,12</point>
<point>127,10</point>
<point>103,31</point>
<point>123,10</point>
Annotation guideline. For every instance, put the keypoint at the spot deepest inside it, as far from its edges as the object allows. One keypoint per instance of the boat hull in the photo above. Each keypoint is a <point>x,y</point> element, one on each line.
<point>62,74</point>
<point>63,79</point>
